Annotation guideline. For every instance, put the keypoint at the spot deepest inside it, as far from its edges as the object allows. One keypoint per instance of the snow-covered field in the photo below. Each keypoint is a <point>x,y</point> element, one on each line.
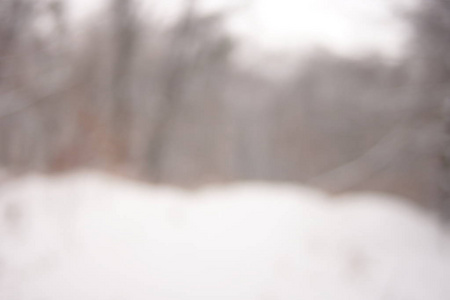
<point>92,236</point>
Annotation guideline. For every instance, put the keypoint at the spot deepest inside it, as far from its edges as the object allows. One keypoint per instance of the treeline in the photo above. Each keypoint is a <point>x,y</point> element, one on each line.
<point>169,104</point>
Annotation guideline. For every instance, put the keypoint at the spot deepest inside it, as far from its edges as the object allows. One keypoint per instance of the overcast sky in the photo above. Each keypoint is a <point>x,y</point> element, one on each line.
<point>286,26</point>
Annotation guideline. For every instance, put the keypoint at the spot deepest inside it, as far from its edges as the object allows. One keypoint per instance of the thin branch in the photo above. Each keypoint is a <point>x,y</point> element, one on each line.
<point>362,168</point>
<point>37,101</point>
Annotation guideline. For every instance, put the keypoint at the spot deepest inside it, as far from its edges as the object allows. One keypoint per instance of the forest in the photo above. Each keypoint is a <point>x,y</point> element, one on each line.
<point>144,157</point>
<point>167,103</point>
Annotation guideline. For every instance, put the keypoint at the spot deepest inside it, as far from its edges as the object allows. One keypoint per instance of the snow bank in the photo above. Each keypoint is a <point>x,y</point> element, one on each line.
<point>92,236</point>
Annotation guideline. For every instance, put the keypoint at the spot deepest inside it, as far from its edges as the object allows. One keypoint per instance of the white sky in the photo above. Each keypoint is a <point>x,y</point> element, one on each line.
<point>276,26</point>
<point>341,24</point>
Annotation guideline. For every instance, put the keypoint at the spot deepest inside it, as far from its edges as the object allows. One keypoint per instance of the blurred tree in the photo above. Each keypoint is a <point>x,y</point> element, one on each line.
<point>337,121</point>
<point>169,104</point>
<point>125,33</point>
<point>431,56</point>
<point>15,19</point>
<point>193,79</point>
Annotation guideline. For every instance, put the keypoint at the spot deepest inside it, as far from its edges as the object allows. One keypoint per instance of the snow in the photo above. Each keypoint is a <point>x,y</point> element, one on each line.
<point>88,235</point>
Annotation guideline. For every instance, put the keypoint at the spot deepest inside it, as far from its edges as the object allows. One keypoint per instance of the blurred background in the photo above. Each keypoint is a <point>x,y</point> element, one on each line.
<point>214,149</point>
<point>342,95</point>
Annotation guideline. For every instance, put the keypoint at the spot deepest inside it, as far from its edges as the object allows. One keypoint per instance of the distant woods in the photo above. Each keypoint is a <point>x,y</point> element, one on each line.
<point>431,54</point>
<point>169,104</point>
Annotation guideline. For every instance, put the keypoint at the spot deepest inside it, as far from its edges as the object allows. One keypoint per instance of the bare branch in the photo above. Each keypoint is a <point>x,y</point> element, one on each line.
<point>37,101</point>
<point>377,158</point>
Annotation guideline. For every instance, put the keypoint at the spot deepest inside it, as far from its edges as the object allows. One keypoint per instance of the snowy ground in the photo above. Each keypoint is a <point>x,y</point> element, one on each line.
<point>91,236</point>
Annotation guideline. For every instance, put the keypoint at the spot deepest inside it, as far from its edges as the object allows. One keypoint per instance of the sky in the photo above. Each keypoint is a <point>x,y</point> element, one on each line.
<point>284,27</point>
<point>344,25</point>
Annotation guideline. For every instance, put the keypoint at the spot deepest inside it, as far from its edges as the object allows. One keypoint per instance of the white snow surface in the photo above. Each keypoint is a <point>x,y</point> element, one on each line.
<point>89,235</point>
